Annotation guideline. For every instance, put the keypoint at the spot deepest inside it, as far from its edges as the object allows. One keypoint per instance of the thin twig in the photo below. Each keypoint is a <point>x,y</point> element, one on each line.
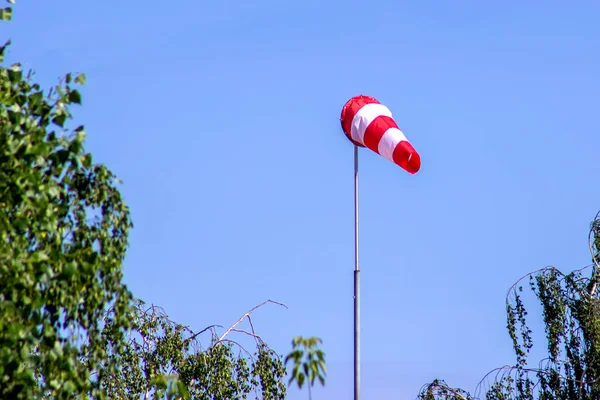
<point>514,285</point>
<point>255,336</point>
<point>240,346</point>
<point>245,316</point>
<point>195,335</point>
<point>253,332</point>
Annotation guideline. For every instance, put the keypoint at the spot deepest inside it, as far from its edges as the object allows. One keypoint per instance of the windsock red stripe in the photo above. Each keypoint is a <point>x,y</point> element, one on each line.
<point>365,117</point>
<point>407,157</point>
<point>376,130</point>
<point>350,110</point>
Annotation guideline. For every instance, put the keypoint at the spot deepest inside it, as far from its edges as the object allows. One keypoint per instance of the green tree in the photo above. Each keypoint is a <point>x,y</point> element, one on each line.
<point>165,359</point>
<point>69,327</point>
<point>162,355</point>
<point>63,236</point>
<point>570,306</point>
<point>309,362</point>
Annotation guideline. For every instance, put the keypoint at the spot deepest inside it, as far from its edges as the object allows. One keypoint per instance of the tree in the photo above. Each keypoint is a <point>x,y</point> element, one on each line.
<point>571,314</point>
<point>69,327</point>
<point>163,356</point>
<point>63,228</point>
<point>165,359</point>
<point>309,362</point>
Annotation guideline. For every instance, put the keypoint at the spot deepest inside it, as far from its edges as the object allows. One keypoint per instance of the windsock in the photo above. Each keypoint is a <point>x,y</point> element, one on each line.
<point>368,123</point>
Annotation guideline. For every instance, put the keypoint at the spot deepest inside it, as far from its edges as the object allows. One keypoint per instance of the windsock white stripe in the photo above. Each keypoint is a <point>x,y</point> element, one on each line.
<point>389,141</point>
<point>363,118</point>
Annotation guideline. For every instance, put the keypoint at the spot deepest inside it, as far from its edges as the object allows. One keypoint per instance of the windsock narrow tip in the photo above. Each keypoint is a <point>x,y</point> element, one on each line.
<point>413,164</point>
<point>406,157</point>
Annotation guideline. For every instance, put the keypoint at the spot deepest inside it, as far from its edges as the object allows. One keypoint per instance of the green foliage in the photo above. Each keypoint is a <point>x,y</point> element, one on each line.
<point>170,388</point>
<point>63,237</point>
<point>440,390</point>
<point>308,361</point>
<point>165,359</point>
<point>69,327</point>
<point>6,14</point>
<point>571,316</point>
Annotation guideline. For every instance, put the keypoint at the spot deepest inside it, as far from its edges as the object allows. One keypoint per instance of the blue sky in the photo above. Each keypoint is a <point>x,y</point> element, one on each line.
<point>222,119</point>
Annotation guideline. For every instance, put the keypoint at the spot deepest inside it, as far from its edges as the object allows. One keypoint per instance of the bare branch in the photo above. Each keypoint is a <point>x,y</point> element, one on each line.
<point>238,345</point>
<point>514,285</point>
<point>246,315</point>
<point>195,335</point>
<point>255,336</point>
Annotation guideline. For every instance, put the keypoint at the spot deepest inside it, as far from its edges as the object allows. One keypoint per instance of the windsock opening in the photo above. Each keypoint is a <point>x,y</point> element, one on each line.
<point>411,163</point>
<point>349,110</point>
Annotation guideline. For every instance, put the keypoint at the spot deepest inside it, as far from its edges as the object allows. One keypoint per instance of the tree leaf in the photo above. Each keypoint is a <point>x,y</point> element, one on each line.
<point>74,97</point>
<point>6,14</point>
<point>80,79</point>
<point>59,119</point>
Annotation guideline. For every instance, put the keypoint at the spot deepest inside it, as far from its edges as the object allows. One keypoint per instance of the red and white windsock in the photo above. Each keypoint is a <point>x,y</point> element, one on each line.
<point>368,123</point>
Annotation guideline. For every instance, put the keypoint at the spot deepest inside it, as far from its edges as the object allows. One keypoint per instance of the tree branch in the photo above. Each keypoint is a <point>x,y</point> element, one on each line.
<point>246,315</point>
<point>255,336</point>
<point>195,335</point>
<point>591,240</point>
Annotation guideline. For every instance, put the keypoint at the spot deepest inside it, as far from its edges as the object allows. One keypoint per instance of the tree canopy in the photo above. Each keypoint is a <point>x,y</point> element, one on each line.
<point>570,305</point>
<point>63,227</point>
<point>69,326</point>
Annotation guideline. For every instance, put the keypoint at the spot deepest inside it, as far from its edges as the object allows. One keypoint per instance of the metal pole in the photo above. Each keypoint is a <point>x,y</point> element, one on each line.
<point>356,285</point>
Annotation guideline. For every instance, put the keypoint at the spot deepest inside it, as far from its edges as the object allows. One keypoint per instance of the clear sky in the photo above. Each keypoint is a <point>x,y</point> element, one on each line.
<point>222,119</point>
